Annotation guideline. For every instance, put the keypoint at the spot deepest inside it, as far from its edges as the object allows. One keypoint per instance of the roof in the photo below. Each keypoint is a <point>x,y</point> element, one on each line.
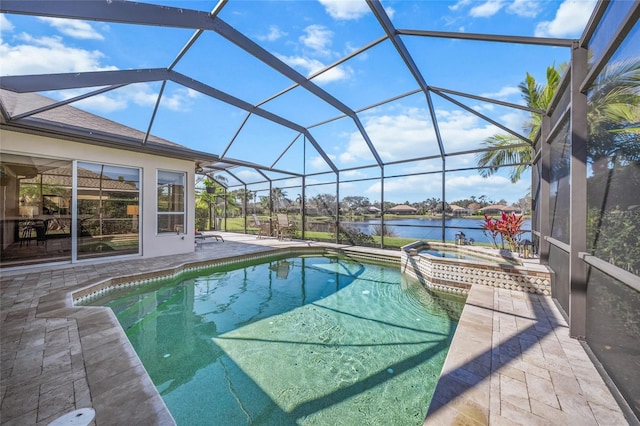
<point>499,207</point>
<point>402,207</point>
<point>68,121</point>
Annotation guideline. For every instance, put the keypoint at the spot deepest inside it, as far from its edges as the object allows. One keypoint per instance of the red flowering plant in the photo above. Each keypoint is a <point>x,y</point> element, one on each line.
<point>508,227</point>
<point>490,228</point>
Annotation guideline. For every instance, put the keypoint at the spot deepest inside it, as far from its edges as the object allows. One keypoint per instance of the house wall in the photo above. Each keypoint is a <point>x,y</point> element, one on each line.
<point>152,244</point>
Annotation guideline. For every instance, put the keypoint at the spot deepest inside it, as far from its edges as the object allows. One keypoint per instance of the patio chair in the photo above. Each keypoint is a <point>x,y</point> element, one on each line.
<point>263,228</point>
<point>282,268</point>
<point>285,229</point>
<point>40,227</point>
<point>201,237</point>
<point>41,232</point>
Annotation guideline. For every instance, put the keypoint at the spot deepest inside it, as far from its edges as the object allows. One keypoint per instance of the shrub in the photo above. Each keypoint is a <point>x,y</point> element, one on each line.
<point>354,236</point>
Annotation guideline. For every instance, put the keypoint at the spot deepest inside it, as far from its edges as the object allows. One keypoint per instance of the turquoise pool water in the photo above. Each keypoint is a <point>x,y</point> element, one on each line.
<point>312,340</point>
<point>454,254</point>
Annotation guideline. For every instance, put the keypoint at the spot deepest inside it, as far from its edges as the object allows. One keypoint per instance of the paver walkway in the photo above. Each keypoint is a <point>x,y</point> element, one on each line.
<point>509,362</point>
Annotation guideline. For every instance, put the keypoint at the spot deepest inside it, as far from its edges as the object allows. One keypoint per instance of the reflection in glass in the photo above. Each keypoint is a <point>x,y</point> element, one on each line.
<point>34,210</point>
<point>171,201</point>
<point>559,185</point>
<point>108,210</point>
<point>613,153</point>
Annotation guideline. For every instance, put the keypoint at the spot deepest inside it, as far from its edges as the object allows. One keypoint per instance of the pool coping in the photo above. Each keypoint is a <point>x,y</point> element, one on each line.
<point>97,289</point>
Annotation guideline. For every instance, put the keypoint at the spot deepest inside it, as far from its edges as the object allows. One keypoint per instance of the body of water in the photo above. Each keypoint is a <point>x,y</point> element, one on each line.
<point>430,228</point>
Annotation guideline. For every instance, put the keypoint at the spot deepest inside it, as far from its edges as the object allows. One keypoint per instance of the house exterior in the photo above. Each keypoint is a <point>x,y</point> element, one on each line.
<point>70,196</point>
<point>459,211</point>
<point>495,209</point>
<point>402,209</point>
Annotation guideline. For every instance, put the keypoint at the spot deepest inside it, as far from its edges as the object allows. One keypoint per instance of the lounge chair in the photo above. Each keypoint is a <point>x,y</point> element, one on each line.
<point>285,229</point>
<point>264,229</point>
<point>201,237</point>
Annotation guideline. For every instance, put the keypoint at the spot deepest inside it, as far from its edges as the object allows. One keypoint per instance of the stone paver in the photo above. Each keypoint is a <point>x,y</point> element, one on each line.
<point>508,364</point>
<point>538,374</point>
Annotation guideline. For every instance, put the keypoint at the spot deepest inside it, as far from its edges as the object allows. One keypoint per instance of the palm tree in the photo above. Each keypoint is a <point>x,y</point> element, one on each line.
<point>211,197</point>
<point>240,195</point>
<point>498,147</point>
<point>613,117</point>
<point>278,197</point>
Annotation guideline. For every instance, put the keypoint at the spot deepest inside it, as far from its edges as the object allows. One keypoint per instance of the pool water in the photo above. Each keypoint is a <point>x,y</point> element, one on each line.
<point>454,254</point>
<point>316,340</point>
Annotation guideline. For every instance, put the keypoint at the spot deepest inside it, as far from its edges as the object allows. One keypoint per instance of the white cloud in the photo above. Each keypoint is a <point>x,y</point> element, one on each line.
<point>504,93</point>
<point>74,28</point>
<point>310,66</point>
<point>458,186</point>
<point>487,9</point>
<point>495,187</point>
<point>412,188</point>
<point>462,131</point>
<point>179,100</point>
<point>140,94</point>
<point>318,38</point>
<point>319,164</point>
<point>409,134</point>
<point>352,174</point>
<point>390,11</point>
<point>102,103</point>
<point>525,8</point>
<point>47,55</point>
<point>5,24</point>
<point>307,64</point>
<point>459,5</point>
<point>570,20</point>
<point>345,9</point>
<point>274,34</point>
<point>249,175</point>
<point>341,72</point>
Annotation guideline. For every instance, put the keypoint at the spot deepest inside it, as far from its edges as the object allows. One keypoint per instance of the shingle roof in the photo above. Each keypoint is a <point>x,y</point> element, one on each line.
<point>74,122</point>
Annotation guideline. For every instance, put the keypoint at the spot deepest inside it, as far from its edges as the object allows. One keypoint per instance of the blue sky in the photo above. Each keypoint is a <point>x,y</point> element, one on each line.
<point>309,35</point>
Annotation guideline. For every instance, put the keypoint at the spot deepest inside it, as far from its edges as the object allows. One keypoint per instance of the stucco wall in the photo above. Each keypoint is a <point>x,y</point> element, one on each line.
<point>152,244</point>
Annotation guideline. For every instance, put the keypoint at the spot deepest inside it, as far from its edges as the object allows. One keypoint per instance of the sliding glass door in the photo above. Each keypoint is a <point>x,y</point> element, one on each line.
<point>108,210</point>
<point>35,214</point>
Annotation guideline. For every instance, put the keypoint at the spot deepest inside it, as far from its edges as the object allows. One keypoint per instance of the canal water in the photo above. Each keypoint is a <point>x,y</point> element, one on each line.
<point>430,228</point>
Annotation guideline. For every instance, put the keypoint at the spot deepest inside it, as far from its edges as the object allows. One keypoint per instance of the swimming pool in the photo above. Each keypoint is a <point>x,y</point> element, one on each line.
<point>293,340</point>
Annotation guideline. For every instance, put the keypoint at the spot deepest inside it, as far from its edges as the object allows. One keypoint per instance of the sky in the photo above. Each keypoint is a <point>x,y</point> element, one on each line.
<point>309,35</point>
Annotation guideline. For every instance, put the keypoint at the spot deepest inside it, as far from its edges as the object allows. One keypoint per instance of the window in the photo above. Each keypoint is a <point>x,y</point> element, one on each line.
<point>171,201</point>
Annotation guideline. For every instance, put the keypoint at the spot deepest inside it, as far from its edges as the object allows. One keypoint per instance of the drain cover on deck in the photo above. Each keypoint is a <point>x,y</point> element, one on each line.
<point>81,417</point>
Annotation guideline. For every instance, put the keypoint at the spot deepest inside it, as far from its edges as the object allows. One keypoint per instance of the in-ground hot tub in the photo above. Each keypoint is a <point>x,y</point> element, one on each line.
<point>456,268</point>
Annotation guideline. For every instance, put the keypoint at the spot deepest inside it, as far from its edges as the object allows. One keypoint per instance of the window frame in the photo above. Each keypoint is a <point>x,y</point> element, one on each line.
<point>179,175</point>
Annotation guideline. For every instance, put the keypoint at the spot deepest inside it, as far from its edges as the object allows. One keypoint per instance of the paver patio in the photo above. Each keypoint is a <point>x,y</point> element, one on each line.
<point>508,364</point>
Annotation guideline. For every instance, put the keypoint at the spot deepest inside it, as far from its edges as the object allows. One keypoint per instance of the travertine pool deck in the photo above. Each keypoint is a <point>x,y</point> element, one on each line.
<point>511,362</point>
